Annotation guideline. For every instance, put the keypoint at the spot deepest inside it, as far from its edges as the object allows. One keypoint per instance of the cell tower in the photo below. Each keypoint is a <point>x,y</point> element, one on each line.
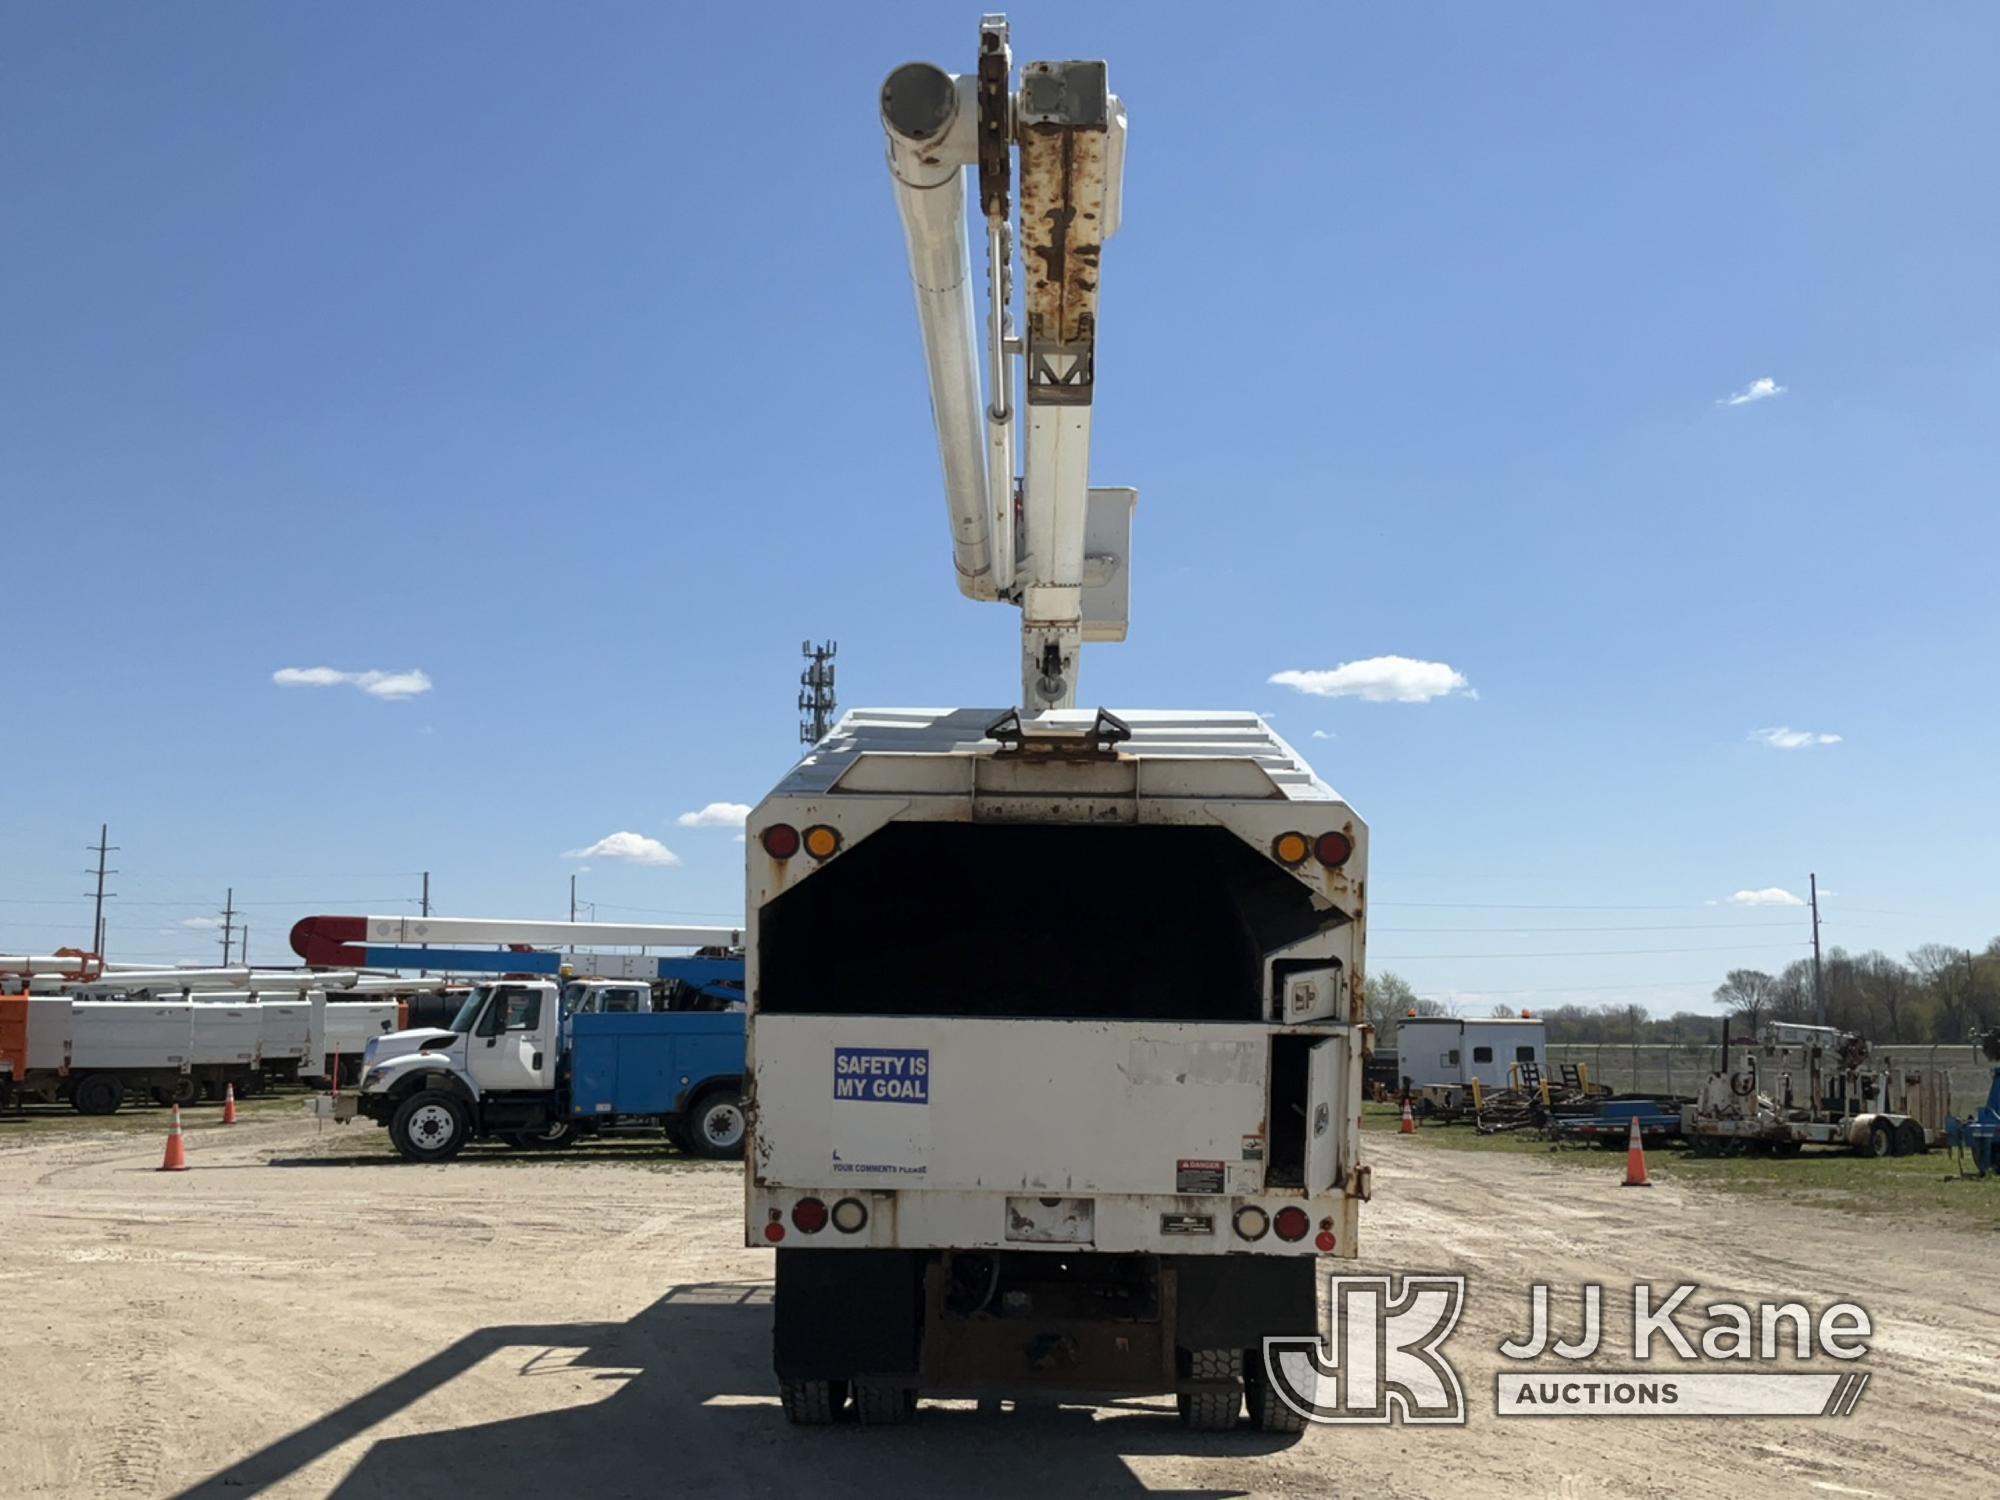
<point>816,701</point>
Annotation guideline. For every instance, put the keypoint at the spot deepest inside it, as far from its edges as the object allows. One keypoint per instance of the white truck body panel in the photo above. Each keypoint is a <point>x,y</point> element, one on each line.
<point>1039,1107</point>
<point>285,1029</point>
<point>342,1028</point>
<point>223,1033</point>
<point>129,1034</point>
<point>48,1034</point>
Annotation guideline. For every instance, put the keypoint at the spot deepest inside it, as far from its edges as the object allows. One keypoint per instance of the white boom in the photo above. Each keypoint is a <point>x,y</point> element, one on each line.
<point>409,931</point>
<point>1047,543</point>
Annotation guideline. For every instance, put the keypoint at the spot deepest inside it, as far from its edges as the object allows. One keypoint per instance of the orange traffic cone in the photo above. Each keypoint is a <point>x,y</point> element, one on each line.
<point>229,1104</point>
<point>1409,1125</point>
<point>1635,1159</point>
<point>177,1157</point>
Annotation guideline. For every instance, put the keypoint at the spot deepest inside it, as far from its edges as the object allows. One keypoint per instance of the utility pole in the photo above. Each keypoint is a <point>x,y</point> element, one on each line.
<point>816,701</point>
<point>1819,988</point>
<point>243,947</point>
<point>228,924</point>
<point>426,910</point>
<point>102,847</point>
<point>572,905</point>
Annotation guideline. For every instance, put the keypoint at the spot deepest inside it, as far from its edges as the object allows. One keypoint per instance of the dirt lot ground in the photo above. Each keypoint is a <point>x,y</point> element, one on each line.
<point>303,1315</point>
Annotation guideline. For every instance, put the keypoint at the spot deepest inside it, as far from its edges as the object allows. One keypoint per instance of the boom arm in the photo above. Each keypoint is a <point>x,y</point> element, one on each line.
<point>1045,542</point>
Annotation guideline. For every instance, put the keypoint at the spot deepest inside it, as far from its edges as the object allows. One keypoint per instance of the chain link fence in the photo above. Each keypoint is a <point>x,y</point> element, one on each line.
<point>1682,1068</point>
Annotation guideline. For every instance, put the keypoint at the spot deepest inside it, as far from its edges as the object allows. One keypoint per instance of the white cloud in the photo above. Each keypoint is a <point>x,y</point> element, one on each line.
<point>1784,737</point>
<point>1381,679</point>
<point>201,921</point>
<point>375,683</point>
<point>635,848</point>
<point>1771,895</point>
<point>1757,390</point>
<point>717,815</point>
<point>1321,734</point>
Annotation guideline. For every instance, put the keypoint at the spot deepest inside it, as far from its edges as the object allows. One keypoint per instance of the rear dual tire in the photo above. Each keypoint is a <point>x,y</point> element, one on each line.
<point>97,1094</point>
<point>714,1127</point>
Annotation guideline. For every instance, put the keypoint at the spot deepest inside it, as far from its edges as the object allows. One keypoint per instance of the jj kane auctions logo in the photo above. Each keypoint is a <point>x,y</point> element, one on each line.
<point>1381,1358</point>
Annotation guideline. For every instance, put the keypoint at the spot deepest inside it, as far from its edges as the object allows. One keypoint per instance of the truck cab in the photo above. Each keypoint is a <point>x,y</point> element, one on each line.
<point>492,1070</point>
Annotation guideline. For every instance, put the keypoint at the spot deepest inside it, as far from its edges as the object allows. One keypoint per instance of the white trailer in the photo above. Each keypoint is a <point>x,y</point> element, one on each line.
<point>1441,1057</point>
<point>1055,1022</point>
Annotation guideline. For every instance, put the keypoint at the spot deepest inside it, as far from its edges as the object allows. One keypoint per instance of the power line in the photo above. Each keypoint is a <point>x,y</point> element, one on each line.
<point>1663,927</point>
<point>1405,958</point>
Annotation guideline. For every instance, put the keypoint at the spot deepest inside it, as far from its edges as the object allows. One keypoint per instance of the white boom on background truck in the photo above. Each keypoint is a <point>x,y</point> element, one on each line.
<point>1092,1129</point>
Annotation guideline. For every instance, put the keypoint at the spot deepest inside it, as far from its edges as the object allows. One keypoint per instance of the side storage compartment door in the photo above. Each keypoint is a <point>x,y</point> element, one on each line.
<point>1333,1141</point>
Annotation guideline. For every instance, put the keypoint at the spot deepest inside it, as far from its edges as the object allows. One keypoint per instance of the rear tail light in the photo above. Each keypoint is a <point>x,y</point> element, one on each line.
<point>1291,1224</point>
<point>822,842</point>
<point>1323,1242</point>
<point>1333,849</point>
<point>780,840</point>
<point>1252,1222</point>
<point>850,1216</point>
<point>809,1216</point>
<point>774,1231</point>
<point>1290,848</point>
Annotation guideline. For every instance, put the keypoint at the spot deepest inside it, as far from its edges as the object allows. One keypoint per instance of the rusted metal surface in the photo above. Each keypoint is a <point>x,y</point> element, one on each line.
<point>1064,189</point>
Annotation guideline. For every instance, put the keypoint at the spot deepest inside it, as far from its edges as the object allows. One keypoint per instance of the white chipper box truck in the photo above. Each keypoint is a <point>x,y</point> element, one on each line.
<point>1094,1126</point>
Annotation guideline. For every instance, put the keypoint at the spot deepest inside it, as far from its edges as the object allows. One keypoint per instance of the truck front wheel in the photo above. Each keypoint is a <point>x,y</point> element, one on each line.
<point>430,1125</point>
<point>715,1125</point>
<point>98,1094</point>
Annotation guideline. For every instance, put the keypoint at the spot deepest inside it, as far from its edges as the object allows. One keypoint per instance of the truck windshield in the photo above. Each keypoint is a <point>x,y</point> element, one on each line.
<point>469,1012</point>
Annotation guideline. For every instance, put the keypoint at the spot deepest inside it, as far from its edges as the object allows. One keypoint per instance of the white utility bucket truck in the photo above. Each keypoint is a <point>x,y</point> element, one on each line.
<point>1093,1128</point>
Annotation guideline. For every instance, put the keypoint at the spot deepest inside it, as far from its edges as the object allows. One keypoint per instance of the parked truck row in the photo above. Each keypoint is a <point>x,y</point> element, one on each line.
<point>93,1054</point>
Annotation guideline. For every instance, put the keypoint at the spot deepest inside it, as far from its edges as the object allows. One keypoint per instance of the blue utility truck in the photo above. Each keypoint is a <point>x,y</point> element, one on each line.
<point>538,1065</point>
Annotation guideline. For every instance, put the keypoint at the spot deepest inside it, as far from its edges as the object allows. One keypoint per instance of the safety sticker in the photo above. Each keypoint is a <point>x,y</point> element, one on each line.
<point>882,1075</point>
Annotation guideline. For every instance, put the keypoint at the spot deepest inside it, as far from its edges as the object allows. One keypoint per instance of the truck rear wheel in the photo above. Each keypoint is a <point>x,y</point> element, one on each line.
<point>1268,1411</point>
<point>1910,1139</point>
<point>883,1405</point>
<point>1880,1142</point>
<point>715,1125</point>
<point>182,1091</point>
<point>812,1403</point>
<point>430,1125</point>
<point>97,1094</point>
<point>551,1137</point>
<point>1212,1411</point>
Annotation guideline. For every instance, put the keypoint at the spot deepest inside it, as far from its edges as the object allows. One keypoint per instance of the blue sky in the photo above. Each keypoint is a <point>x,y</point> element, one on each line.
<point>565,356</point>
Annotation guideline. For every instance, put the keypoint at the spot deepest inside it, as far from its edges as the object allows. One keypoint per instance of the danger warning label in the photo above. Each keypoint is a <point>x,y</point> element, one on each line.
<point>1196,1176</point>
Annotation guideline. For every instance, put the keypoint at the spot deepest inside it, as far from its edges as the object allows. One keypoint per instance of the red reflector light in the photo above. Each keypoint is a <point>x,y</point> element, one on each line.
<point>1291,1224</point>
<point>1333,849</point>
<point>1324,1243</point>
<point>781,841</point>
<point>774,1231</point>
<point>809,1216</point>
